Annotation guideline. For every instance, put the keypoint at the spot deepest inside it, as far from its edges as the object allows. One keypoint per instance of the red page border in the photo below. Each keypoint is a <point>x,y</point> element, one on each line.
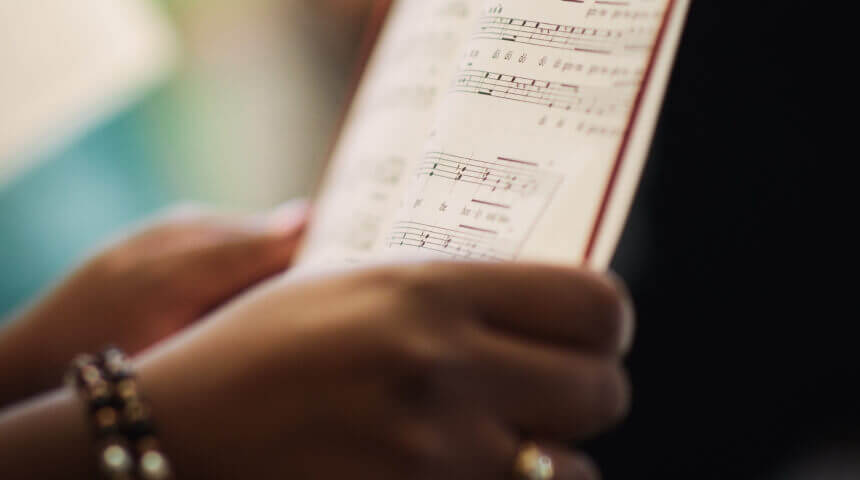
<point>628,133</point>
<point>379,14</point>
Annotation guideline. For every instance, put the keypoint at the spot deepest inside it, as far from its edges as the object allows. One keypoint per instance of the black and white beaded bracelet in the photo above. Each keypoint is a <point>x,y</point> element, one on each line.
<point>122,424</point>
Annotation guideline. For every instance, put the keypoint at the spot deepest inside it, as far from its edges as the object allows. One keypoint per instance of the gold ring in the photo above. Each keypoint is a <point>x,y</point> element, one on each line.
<point>533,464</point>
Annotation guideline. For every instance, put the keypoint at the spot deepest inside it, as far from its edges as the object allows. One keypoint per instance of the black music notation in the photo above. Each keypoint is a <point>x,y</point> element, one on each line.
<point>604,41</point>
<point>619,10</point>
<point>501,174</point>
<point>463,242</point>
<point>563,96</point>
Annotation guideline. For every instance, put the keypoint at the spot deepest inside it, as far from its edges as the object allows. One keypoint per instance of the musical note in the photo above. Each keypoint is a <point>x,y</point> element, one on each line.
<point>521,122</point>
<point>603,41</point>
<point>503,174</point>
<point>564,96</point>
<point>622,12</point>
<point>464,242</point>
<point>466,207</point>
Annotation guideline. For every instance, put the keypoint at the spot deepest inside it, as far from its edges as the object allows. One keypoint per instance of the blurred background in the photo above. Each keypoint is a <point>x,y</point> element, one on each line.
<point>223,102</point>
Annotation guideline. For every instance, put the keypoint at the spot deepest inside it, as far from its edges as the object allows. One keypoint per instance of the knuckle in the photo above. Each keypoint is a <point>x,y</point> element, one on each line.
<point>611,394</point>
<point>398,287</point>
<point>416,288</point>
<point>432,369</point>
<point>389,279</point>
<point>611,316</point>
<point>494,447</point>
<point>418,283</point>
<point>609,332</point>
<point>378,277</point>
<point>423,352</point>
<point>125,265</point>
<point>421,446</point>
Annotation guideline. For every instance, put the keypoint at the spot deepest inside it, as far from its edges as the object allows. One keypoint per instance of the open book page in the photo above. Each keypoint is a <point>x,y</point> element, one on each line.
<point>532,146</point>
<point>386,128</point>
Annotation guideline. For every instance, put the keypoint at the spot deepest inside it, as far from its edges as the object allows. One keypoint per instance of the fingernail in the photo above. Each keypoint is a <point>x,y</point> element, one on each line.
<point>628,313</point>
<point>288,217</point>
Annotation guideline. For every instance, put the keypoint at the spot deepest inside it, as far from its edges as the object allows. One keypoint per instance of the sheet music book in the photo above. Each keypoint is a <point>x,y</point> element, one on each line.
<point>497,131</point>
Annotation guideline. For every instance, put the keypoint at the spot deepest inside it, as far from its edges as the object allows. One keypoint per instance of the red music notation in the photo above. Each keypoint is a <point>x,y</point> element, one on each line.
<point>464,242</point>
<point>604,41</point>
<point>538,92</point>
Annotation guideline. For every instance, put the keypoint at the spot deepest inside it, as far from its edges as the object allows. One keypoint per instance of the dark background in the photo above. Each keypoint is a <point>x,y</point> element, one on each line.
<point>744,364</point>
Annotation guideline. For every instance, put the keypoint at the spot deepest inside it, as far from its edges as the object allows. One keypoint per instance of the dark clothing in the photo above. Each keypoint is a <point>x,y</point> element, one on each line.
<point>741,364</point>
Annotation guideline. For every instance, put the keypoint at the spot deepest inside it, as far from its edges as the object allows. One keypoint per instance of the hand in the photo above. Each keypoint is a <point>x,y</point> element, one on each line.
<point>144,288</point>
<point>423,372</point>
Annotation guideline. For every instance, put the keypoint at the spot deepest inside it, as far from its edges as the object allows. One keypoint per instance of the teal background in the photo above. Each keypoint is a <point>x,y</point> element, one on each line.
<point>54,213</point>
<point>243,122</point>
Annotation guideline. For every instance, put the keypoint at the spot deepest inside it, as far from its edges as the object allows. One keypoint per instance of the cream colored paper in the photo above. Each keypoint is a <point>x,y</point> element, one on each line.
<point>513,130</point>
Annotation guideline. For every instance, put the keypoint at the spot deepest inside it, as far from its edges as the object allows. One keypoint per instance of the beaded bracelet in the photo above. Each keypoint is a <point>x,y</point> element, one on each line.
<point>123,427</point>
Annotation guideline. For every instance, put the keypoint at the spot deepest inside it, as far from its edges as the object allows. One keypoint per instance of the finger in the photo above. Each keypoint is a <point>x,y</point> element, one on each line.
<point>284,218</point>
<point>470,446</point>
<point>567,306</point>
<point>188,227</point>
<point>460,444</point>
<point>546,390</point>
<point>244,253</point>
<point>568,464</point>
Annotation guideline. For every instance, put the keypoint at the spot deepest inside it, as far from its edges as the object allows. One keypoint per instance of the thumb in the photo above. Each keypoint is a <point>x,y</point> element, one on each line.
<point>283,228</point>
<point>286,218</point>
<point>274,238</point>
<point>265,246</point>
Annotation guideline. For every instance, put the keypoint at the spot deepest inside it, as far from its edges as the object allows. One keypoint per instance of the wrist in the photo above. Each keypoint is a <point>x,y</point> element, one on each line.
<point>39,341</point>
<point>46,438</point>
<point>32,365</point>
<point>162,385</point>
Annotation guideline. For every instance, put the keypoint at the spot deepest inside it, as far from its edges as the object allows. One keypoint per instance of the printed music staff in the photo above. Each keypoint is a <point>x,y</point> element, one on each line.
<point>497,130</point>
<point>502,174</point>
<point>564,96</point>
<point>463,242</point>
<point>467,207</point>
<point>603,41</point>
